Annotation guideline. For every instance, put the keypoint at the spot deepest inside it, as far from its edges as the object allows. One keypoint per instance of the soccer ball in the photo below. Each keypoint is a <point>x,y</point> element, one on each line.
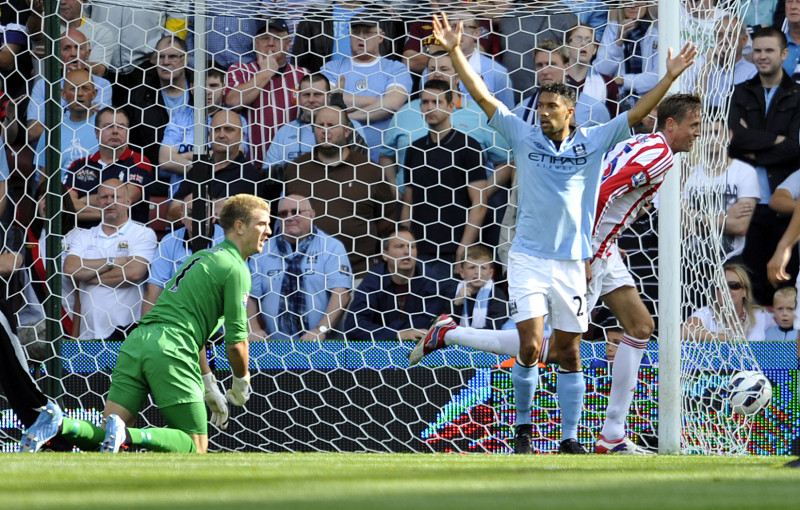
<point>749,392</point>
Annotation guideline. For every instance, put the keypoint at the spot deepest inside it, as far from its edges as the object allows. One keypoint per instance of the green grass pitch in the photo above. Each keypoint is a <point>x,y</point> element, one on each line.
<point>393,481</point>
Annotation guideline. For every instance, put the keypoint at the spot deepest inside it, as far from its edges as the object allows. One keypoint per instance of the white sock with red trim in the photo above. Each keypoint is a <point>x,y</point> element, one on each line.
<point>624,376</point>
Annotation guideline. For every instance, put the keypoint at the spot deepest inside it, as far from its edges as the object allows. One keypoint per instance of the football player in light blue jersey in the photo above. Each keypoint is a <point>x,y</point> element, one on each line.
<point>558,168</point>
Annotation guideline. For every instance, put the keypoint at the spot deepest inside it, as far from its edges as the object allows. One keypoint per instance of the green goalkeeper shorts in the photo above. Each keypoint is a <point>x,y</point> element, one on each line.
<point>154,359</point>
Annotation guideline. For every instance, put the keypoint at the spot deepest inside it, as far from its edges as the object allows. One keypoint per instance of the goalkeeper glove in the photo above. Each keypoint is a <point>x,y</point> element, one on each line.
<point>240,390</point>
<point>215,401</point>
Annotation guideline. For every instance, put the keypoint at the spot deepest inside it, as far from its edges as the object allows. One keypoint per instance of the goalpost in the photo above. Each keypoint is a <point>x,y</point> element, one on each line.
<point>357,395</point>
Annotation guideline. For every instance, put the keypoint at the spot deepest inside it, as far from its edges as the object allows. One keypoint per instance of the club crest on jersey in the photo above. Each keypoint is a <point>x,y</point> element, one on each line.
<point>639,179</point>
<point>512,308</point>
<point>244,300</point>
<point>580,150</point>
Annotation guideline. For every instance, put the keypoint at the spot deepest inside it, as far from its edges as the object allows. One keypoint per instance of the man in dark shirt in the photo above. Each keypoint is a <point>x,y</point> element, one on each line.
<point>114,160</point>
<point>352,200</point>
<point>444,183</point>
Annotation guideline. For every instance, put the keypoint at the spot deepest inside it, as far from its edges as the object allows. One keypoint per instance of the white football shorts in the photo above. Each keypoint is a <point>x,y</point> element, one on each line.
<point>539,286</point>
<point>608,274</point>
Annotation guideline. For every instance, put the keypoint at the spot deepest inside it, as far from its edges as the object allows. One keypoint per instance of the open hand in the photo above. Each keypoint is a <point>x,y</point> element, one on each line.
<point>682,61</point>
<point>448,38</point>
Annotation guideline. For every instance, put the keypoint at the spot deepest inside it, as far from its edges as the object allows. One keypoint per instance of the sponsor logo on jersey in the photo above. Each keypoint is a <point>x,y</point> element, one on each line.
<point>639,179</point>
<point>556,160</point>
<point>86,174</point>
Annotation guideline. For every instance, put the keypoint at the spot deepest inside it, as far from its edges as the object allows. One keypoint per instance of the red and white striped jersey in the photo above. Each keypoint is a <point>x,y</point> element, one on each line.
<point>274,107</point>
<point>632,172</point>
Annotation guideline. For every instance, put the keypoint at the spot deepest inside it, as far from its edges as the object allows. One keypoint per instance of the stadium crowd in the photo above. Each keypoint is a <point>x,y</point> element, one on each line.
<point>392,194</point>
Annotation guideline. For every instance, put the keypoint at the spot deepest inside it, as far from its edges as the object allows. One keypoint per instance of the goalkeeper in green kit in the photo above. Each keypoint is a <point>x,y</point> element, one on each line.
<point>162,355</point>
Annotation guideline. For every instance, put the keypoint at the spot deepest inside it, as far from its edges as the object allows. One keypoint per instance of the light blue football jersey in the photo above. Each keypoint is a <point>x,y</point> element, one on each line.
<point>558,187</point>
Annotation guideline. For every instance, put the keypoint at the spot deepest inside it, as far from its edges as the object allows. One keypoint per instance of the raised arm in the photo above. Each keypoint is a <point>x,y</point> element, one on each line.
<point>450,40</point>
<point>675,67</point>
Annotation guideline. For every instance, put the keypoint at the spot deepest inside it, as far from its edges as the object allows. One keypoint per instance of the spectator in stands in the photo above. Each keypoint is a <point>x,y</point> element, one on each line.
<point>373,87</point>
<point>74,52</point>
<point>765,120</point>
<point>398,299</point>
<point>172,251</point>
<point>14,59</point>
<point>732,181</point>
<point>138,32</point>
<point>264,89</point>
<point>77,128</point>
<point>712,75</point>
<point>629,50</point>
<point>114,159</point>
<point>478,302</point>
<point>32,288</point>
<point>551,61</point>
<point>108,264</point>
<point>698,19</point>
<point>176,153</point>
<point>324,33</point>
<point>792,30</point>
<point>494,74</point>
<point>784,302</point>
<point>231,173</point>
<point>582,46</point>
<point>409,125</point>
<point>72,17</point>
<point>421,31</point>
<point>444,183</point>
<point>302,279</point>
<point>352,200</point>
<point>549,19</point>
<point>297,137</point>
<point>229,37</point>
<point>166,94</point>
<point>712,323</point>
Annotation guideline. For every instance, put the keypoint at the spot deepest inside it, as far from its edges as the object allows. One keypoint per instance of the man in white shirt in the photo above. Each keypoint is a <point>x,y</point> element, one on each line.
<point>108,265</point>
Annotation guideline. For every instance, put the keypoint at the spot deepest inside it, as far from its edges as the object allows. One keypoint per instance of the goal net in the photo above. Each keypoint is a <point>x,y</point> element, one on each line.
<point>207,99</point>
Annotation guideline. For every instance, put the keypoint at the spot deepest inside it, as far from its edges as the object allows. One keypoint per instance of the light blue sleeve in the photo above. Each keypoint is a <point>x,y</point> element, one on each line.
<point>331,72</point>
<point>338,272</point>
<point>608,135</point>
<point>40,156</point>
<point>390,136</point>
<point>105,94</point>
<point>401,76</point>
<point>511,127</point>
<point>256,289</point>
<point>173,135</point>
<point>164,266</point>
<point>5,172</point>
<point>36,103</point>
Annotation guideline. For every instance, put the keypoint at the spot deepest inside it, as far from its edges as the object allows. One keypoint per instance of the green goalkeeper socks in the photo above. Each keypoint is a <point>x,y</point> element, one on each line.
<point>162,440</point>
<point>83,434</point>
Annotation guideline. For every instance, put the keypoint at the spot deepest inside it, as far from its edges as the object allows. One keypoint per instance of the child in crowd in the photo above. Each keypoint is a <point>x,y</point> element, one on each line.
<point>479,303</point>
<point>783,305</point>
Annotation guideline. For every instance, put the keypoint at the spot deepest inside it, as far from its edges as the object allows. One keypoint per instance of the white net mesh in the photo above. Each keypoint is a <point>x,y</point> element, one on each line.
<point>332,374</point>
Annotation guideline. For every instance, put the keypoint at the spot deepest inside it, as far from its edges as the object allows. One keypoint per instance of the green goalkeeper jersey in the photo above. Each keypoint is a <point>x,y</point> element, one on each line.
<point>210,287</point>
